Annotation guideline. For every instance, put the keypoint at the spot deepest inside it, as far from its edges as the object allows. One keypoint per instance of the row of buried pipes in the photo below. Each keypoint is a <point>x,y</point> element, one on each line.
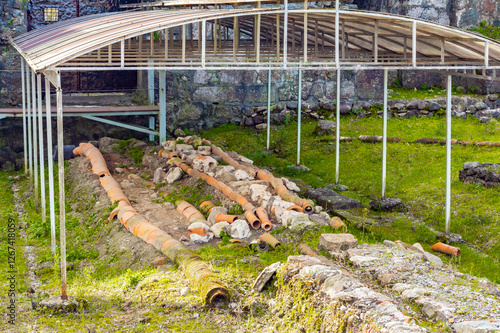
<point>198,272</point>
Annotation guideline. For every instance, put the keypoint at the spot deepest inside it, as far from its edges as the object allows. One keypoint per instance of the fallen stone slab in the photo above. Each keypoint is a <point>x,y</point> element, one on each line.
<point>354,218</point>
<point>265,276</point>
<point>337,242</point>
<point>386,204</point>
<point>331,200</point>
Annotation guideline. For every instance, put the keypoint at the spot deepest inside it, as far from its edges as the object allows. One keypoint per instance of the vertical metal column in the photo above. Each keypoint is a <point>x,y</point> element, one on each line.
<point>414,44</point>
<point>25,141</point>
<point>28,107</point>
<point>285,35</point>
<point>35,139</point>
<point>268,110</point>
<point>203,43</point>
<point>151,83</point>
<point>337,129</point>
<point>60,162</point>
<point>299,115</point>
<point>50,167</point>
<point>306,4</point>
<point>40,145</point>
<point>162,118</point>
<point>337,30</point>
<point>448,153</point>
<point>151,127</point>
<point>384,136</point>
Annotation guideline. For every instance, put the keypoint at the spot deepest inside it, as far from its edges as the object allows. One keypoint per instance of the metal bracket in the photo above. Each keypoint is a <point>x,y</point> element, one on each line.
<point>120,124</point>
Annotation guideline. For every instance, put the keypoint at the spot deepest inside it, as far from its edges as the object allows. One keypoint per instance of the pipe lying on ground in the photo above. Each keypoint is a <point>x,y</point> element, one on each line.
<point>336,223</point>
<point>221,217</point>
<point>296,208</point>
<point>447,249</point>
<point>264,218</point>
<point>206,207</point>
<point>269,239</point>
<point>254,222</point>
<point>258,245</point>
<point>277,184</point>
<point>201,276</point>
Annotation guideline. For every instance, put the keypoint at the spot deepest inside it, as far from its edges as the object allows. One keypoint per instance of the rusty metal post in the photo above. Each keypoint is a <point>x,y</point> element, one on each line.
<point>60,161</point>
<point>50,168</point>
<point>41,148</point>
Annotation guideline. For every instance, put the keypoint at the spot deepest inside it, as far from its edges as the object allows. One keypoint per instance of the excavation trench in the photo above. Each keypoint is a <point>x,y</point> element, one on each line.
<point>201,276</point>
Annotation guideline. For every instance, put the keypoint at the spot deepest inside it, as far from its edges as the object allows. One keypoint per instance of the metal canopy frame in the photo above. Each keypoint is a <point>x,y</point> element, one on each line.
<point>236,35</point>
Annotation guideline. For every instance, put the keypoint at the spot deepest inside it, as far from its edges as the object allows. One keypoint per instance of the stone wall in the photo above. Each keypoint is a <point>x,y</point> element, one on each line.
<point>202,99</point>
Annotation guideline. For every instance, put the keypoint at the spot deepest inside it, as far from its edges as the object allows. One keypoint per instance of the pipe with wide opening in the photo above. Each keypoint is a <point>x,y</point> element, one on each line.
<point>269,239</point>
<point>277,184</point>
<point>249,209</point>
<point>196,270</point>
<point>264,218</point>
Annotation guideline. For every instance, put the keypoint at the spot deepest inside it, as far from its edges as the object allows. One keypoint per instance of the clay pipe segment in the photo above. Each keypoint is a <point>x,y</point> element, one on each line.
<point>189,211</point>
<point>206,206</point>
<point>226,158</point>
<point>296,208</point>
<point>248,207</point>
<point>269,239</point>
<point>443,248</point>
<point>336,223</point>
<point>221,217</point>
<point>264,218</point>
<point>307,205</point>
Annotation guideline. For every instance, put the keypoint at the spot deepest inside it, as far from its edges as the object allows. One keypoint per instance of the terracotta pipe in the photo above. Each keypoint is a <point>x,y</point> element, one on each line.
<point>189,211</point>
<point>206,206</point>
<point>233,195</point>
<point>198,272</point>
<point>307,205</point>
<point>296,208</point>
<point>221,217</point>
<point>336,223</point>
<point>262,215</point>
<point>450,250</point>
<point>269,239</point>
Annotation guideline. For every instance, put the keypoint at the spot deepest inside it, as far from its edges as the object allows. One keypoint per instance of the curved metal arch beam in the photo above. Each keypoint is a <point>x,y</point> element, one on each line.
<point>193,16</point>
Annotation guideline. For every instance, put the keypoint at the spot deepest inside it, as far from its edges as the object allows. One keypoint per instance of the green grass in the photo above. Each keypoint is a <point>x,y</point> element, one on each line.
<point>415,173</point>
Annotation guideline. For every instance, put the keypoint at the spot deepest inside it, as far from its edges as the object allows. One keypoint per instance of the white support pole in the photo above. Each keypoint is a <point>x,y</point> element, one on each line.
<point>285,35</point>
<point>166,43</point>
<point>384,136</point>
<point>337,130</point>
<point>268,110</point>
<point>414,44</point>
<point>25,141</point>
<point>162,118</point>
<point>306,4</point>
<point>35,139</point>
<point>151,83</point>
<point>151,127</point>
<point>487,54</point>
<point>203,43</point>
<point>110,54</point>
<point>299,116</point>
<point>375,42</point>
<point>30,133</point>
<point>122,53</point>
<point>41,147</point>
<point>183,43</point>
<point>448,153</point>
<point>337,30</point>
<point>60,162</point>
<point>50,168</point>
